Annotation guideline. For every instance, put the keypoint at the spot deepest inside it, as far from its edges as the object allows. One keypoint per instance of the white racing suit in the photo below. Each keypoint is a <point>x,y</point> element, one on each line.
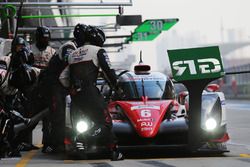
<point>5,88</point>
<point>42,58</point>
<point>84,65</point>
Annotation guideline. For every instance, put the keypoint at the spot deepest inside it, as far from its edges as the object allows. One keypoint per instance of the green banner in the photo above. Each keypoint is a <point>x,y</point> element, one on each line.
<point>196,63</point>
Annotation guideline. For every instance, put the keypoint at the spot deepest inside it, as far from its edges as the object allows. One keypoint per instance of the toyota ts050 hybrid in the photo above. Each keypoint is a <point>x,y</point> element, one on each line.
<point>149,114</point>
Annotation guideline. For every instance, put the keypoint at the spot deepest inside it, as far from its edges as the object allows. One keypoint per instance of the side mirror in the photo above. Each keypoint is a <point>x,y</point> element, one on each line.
<point>213,88</point>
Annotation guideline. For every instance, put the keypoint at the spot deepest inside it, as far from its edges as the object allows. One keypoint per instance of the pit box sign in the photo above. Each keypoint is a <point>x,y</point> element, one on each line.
<point>150,29</point>
<point>196,63</point>
<point>144,36</point>
<point>153,25</point>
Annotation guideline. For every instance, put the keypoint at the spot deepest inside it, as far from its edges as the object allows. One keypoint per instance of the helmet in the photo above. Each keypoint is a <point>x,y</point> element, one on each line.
<point>95,36</point>
<point>22,77</point>
<point>42,32</point>
<point>18,41</point>
<point>42,37</point>
<point>79,33</point>
<point>24,56</point>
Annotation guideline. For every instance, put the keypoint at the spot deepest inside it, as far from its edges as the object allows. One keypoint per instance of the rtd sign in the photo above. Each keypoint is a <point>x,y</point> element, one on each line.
<point>196,63</point>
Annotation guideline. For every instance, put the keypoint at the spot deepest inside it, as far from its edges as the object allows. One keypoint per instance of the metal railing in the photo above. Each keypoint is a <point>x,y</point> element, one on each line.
<point>100,3</point>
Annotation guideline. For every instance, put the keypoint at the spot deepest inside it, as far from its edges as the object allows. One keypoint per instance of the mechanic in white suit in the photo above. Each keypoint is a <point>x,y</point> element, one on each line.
<point>84,64</point>
<point>41,49</point>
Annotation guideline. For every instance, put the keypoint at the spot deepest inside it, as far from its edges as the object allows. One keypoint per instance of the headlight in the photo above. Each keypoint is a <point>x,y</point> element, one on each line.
<point>82,126</point>
<point>210,124</point>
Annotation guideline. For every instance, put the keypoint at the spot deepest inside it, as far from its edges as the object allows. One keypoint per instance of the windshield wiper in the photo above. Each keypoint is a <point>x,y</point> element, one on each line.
<point>159,85</point>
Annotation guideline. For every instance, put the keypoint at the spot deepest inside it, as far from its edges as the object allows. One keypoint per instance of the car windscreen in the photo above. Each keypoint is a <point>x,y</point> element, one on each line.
<point>152,89</point>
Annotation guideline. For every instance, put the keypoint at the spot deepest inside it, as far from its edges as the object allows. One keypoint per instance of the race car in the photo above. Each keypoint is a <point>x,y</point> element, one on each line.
<point>149,114</point>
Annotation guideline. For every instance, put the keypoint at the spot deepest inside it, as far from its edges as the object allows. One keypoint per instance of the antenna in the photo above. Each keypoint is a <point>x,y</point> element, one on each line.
<point>140,62</point>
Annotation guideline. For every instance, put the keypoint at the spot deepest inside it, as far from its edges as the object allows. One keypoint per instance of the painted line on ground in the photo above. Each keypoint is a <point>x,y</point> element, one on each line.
<point>86,161</point>
<point>245,155</point>
<point>26,158</point>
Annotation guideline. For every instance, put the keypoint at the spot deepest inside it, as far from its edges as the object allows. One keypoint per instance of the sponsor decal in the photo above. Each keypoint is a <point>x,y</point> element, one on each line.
<point>146,113</point>
<point>147,124</point>
<point>145,119</point>
<point>139,78</point>
<point>79,53</point>
<point>146,129</point>
<point>145,107</point>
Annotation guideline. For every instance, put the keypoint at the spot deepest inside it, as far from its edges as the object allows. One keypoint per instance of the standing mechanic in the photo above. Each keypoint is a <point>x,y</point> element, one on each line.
<point>51,87</point>
<point>41,49</point>
<point>42,55</point>
<point>84,65</point>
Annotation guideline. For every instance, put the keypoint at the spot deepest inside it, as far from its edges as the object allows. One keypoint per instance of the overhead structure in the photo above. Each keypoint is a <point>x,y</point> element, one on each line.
<point>100,3</point>
<point>8,12</point>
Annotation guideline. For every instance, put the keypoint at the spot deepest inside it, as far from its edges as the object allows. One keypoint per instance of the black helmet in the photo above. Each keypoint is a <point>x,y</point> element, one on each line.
<point>42,32</point>
<point>79,33</point>
<point>95,36</point>
<point>18,41</point>
<point>24,76</point>
<point>24,56</point>
<point>42,37</point>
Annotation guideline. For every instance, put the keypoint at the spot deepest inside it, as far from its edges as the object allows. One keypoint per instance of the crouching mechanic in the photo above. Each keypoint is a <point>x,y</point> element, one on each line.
<point>84,65</point>
<point>16,76</point>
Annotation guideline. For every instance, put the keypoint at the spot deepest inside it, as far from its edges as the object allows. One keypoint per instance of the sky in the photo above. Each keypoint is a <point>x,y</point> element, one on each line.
<point>201,23</point>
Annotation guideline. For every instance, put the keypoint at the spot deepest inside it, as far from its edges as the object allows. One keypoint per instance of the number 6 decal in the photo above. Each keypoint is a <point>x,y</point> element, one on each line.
<point>145,113</point>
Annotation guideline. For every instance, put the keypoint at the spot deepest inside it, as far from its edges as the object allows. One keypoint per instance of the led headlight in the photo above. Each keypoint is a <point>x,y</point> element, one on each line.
<point>210,124</point>
<point>82,126</point>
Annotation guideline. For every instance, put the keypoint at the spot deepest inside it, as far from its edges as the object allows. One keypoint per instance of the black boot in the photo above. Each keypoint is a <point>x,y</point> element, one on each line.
<point>116,155</point>
<point>28,147</point>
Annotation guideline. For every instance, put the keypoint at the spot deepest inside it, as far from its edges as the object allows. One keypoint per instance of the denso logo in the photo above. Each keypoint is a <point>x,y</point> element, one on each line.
<point>147,124</point>
<point>208,65</point>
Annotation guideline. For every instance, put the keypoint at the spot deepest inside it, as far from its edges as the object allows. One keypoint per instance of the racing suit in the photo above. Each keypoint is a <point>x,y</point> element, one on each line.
<point>5,88</point>
<point>56,92</point>
<point>84,65</point>
<point>41,61</point>
<point>42,57</point>
<point>7,92</point>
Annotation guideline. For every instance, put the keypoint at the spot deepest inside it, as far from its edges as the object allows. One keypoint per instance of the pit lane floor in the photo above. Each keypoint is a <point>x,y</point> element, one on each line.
<point>238,115</point>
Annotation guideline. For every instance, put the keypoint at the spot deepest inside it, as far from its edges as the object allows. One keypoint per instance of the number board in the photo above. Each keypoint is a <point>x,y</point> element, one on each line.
<point>150,29</point>
<point>196,63</point>
<point>144,36</point>
<point>156,25</point>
